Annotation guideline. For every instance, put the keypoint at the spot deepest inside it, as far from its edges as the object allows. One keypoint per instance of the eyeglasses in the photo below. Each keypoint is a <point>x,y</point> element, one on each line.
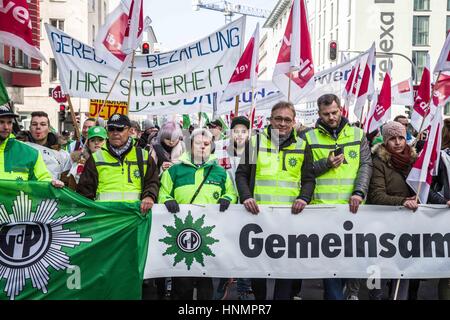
<point>118,129</point>
<point>281,119</point>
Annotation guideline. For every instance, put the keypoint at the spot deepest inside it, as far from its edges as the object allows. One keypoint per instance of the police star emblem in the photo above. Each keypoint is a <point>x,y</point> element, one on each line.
<point>353,154</point>
<point>32,242</point>
<point>137,174</point>
<point>189,240</point>
<point>292,162</point>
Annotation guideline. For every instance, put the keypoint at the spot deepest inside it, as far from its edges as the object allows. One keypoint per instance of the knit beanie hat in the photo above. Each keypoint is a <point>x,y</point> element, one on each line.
<point>393,129</point>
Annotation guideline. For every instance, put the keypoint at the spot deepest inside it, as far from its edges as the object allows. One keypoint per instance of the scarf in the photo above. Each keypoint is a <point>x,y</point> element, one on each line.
<point>401,161</point>
<point>121,150</point>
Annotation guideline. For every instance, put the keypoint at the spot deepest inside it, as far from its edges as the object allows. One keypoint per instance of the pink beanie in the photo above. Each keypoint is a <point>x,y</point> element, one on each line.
<point>393,129</point>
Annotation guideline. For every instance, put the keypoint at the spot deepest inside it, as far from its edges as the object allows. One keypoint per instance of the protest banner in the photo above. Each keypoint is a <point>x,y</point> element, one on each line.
<point>199,68</point>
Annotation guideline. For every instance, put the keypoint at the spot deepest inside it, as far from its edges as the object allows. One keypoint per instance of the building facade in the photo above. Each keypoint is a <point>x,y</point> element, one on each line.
<point>81,19</point>
<point>18,70</point>
<point>404,31</point>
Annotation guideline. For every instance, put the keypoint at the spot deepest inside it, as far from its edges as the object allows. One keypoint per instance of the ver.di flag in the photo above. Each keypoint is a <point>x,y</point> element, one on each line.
<point>295,58</point>
<point>403,93</point>
<point>16,29</point>
<point>245,75</point>
<point>364,82</point>
<point>443,63</point>
<point>441,89</point>
<point>58,245</point>
<point>379,112</point>
<point>427,164</point>
<point>112,43</point>
<point>421,108</point>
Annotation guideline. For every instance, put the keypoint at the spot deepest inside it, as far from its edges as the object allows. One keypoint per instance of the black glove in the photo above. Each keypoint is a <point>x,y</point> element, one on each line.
<point>224,204</point>
<point>172,206</point>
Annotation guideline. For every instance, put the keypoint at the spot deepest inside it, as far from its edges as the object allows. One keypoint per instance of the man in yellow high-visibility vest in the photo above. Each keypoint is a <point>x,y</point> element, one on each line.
<point>342,165</point>
<point>280,173</point>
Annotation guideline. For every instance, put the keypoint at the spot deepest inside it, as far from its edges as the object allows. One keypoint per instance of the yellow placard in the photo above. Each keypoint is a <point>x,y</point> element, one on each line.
<point>108,110</point>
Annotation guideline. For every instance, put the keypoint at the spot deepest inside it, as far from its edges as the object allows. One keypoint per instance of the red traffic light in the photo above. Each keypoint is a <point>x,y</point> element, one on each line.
<point>62,107</point>
<point>145,48</point>
<point>332,51</point>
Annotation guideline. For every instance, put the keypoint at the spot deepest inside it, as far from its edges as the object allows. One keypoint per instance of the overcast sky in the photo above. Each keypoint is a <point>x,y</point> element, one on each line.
<point>175,23</point>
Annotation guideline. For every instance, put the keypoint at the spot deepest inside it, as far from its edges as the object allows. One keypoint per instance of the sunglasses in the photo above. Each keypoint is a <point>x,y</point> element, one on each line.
<point>118,129</point>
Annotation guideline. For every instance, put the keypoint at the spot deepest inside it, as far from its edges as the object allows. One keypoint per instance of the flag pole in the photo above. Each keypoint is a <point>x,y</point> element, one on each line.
<point>74,120</point>
<point>109,93</point>
<point>431,99</point>
<point>236,106</point>
<point>397,286</point>
<point>289,87</point>
<point>131,81</point>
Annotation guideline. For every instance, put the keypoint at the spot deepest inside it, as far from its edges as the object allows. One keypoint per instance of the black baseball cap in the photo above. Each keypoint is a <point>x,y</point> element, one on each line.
<point>240,120</point>
<point>5,111</point>
<point>215,123</point>
<point>119,120</point>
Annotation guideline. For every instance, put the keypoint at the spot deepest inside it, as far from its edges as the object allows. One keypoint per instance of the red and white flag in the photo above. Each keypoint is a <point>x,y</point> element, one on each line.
<point>403,93</point>
<point>121,33</point>
<point>295,58</point>
<point>16,29</point>
<point>364,82</point>
<point>349,93</point>
<point>443,63</point>
<point>245,76</point>
<point>421,108</point>
<point>441,93</point>
<point>427,163</point>
<point>380,110</point>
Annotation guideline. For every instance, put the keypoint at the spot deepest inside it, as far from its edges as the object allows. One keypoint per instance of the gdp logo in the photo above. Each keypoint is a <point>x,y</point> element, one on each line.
<point>31,242</point>
<point>189,240</point>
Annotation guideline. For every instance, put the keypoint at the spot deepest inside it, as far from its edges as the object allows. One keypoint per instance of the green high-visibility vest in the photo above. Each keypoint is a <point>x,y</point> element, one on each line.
<point>337,184</point>
<point>119,181</point>
<point>278,172</point>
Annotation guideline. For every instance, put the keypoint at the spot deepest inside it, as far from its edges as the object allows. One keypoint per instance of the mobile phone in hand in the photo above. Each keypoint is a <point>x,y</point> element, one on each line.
<point>338,151</point>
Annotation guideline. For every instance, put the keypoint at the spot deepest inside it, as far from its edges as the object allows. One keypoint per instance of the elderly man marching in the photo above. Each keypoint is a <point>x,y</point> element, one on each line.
<point>342,165</point>
<point>119,171</point>
<point>280,173</point>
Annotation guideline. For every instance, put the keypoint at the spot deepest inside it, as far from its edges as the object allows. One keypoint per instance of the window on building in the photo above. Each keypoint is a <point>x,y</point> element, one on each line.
<point>320,25</point>
<point>421,26</point>
<point>349,7</point>
<point>337,12</point>
<point>332,17</point>
<point>448,5</point>
<point>421,5</point>
<point>318,55</point>
<point>2,53</point>
<point>447,109</point>
<point>420,60</point>
<point>447,28</point>
<point>349,30</point>
<point>324,22</point>
<point>337,35</point>
<point>57,23</point>
<point>53,70</point>
<point>93,34</point>
<point>323,51</point>
<point>93,5</point>
<point>21,59</point>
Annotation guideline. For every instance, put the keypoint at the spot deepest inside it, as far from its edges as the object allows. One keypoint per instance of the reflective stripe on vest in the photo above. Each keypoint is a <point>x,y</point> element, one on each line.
<point>337,184</point>
<point>119,196</point>
<point>119,181</point>
<point>278,172</point>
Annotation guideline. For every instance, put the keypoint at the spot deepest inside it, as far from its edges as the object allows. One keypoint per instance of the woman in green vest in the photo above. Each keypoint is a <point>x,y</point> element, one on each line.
<point>197,179</point>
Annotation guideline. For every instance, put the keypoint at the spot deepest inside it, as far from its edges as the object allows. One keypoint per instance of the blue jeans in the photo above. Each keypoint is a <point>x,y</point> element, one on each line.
<point>334,289</point>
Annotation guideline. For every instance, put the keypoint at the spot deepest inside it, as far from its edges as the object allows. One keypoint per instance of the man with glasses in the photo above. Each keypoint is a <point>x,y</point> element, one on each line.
<point>342,165</point>
<point>279,173</point>
<point>120,171</point>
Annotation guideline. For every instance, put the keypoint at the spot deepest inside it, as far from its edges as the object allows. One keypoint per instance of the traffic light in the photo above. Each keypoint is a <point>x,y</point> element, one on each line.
<point>145,48</point>
<point>62,113</point>
<point>332,52</point>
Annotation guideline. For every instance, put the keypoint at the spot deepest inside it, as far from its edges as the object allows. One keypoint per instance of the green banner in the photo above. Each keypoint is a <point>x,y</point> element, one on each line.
<point>56,244</point>
<point>4,98</point>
